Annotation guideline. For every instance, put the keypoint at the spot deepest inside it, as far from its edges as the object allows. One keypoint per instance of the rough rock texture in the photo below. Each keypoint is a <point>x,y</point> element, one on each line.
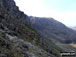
<point>17,38</point>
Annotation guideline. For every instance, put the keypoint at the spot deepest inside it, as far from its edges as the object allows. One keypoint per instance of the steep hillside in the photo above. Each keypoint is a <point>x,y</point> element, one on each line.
<point>53,29</point>
<point>54,32</point>
<point>17,38</point>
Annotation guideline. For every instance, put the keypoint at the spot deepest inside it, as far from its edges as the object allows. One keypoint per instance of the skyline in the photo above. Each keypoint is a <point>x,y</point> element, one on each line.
<point>61,10</point>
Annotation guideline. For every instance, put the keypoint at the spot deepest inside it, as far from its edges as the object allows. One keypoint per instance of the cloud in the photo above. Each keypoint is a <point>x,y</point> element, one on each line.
<point>35,8</point>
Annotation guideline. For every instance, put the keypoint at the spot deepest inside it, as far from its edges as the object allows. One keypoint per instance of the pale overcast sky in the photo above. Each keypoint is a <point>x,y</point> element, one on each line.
<point>61,10</point>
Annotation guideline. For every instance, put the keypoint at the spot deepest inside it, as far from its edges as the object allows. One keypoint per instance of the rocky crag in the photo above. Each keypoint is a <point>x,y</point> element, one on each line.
<point>17,38</point>
<point>20,37</point>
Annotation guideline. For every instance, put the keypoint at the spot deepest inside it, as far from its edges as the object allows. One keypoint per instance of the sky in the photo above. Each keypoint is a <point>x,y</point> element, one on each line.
<point>61,10</point>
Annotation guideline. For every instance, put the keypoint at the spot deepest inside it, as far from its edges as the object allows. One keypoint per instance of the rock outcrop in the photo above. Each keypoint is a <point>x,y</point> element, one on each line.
<point>17,38</point>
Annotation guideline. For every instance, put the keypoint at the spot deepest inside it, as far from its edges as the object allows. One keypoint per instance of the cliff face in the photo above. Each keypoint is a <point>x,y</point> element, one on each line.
<point>17,38</point>
<point>10,9</point>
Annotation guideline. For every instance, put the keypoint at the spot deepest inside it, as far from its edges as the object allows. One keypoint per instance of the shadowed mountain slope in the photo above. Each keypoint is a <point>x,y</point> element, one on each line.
<point>54,32</point>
